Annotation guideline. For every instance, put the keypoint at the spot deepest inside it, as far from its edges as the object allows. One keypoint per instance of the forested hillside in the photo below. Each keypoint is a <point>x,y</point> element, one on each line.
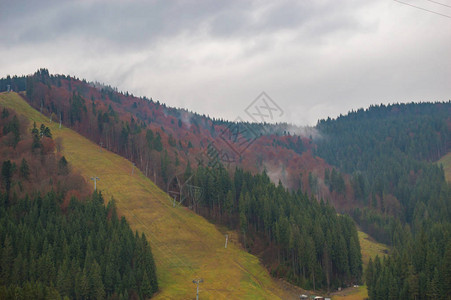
<point>56,239</point>
<point>376,165</point>
<point>300,238</point>
<point>161,140</point>
<point>184,245</point>
<point>330,258</point>
<point>390,150</point>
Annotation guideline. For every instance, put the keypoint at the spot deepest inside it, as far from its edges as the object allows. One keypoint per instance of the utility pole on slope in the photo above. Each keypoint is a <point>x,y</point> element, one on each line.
<point>197,281</point>
<point>227,238</point>
<point>95,178</point>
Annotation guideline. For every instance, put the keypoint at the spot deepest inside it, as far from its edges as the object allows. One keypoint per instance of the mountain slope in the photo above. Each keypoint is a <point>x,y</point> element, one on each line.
<point>131,126</point>
<point>185,245</point>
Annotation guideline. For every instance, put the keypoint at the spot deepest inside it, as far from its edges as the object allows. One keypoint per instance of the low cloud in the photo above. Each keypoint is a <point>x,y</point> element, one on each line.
<point>276,173</point>
<point>304,131</point>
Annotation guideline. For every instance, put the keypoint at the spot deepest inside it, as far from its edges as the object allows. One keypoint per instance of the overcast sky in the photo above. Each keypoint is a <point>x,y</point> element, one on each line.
<point>315,58</point>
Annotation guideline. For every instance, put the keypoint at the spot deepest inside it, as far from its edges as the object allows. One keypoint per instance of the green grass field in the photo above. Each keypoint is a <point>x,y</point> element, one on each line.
<point>370,248</point>
<point>446,162</point>
<point>185,245</point>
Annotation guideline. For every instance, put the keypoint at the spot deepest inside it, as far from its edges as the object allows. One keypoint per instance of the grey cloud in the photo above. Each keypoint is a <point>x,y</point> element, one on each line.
<point>141,23</point>
<point>316,58</point>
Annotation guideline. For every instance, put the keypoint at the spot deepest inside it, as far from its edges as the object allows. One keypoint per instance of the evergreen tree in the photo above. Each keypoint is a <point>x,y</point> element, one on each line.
<point>36,138</point>
<point>188,171</point>
<point>95,277</point>
<point>6,261</point>
<point>13,127</point>
<point>146,287</point>
<point>63,166</point>
<point>7,173</point>
<point>446,271</point>
<point>24,169</point>
<point>157,145</point>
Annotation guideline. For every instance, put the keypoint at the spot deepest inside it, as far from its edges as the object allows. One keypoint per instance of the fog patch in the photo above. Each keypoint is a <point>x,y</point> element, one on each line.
<point>304,131</point>
<point>276,173</point>
<point>186,119</point>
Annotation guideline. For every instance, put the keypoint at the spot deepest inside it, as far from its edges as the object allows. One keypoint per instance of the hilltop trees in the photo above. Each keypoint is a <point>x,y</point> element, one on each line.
<point>66,98</point>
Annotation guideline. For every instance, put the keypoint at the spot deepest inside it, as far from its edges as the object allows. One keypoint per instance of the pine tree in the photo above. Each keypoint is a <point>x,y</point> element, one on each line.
<point>82,285</point>
<point>149,138</point>
<point>24,169</point>
<point>97,288</point>
<point>446,271</point>
<point>14,127</point>
<point>63,282</point>
<point>36,138</point>
<point>7,173</point>
<point>355,258</point>
<point>412,279</point>
<point>63,166</point>
<point>146,287</point>
<point>17,270</point>
<point>433,289</point>
<point>369,278</point>
<point>45,131</point>
<point>7,259</point>
<point>393,288</point>
<point>157,145</point>
<point>5,113</point>
<point>188,171</point>
<point>109,279</point>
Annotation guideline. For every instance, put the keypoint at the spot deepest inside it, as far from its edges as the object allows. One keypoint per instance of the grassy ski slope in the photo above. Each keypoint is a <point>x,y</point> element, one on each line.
<point>185,245</point>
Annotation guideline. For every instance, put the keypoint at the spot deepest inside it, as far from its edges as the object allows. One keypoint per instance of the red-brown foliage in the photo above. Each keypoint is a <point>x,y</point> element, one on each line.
<point>42,165</point>
<point>107,113</point>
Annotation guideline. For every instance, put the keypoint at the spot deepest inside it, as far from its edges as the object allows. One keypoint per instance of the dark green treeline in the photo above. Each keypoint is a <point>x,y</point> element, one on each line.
<point>84,252</point>
<point>389,151</point>
<point>305,241</point>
